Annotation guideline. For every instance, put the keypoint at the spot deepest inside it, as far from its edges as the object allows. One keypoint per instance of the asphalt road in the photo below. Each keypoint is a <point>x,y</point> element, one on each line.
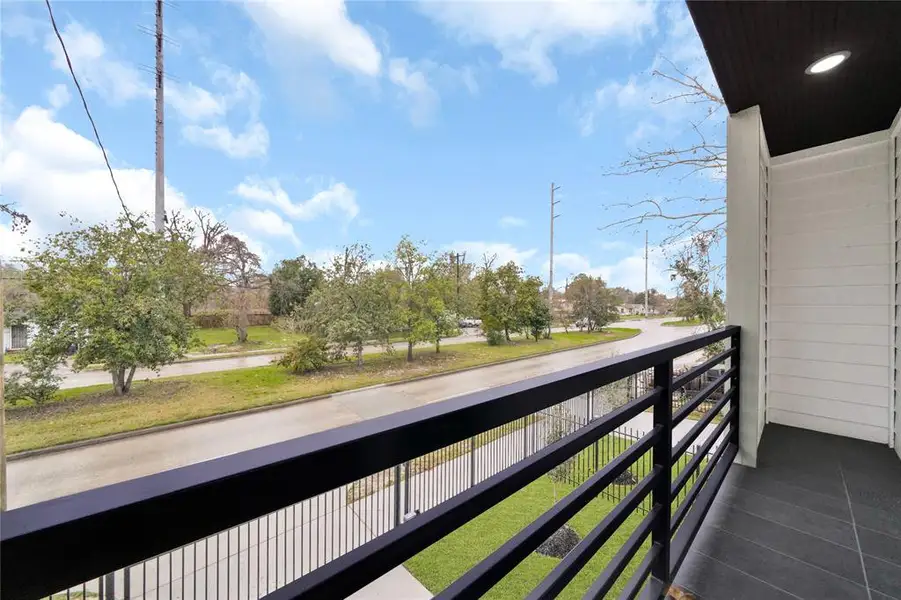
<point>60,473</point>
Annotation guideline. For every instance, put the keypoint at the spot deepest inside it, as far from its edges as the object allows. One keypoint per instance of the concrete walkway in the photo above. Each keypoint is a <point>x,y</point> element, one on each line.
<point>52,475</point>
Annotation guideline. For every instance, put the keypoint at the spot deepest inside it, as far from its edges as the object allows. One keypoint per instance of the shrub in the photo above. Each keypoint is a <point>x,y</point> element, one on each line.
<point>495,337</point>
<point>38,383</point>
<point>309,354</point>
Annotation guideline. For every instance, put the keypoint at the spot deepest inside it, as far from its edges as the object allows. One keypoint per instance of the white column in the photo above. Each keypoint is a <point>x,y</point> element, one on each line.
<point>745,269</point>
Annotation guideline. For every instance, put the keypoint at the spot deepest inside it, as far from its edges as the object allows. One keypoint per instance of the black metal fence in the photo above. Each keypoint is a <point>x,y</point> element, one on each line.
<point>395,484</point>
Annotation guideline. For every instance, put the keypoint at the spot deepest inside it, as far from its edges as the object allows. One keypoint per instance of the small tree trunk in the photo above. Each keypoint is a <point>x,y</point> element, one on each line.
<point>409,351</point>
<point>359,350</point>
<point>186,309</point>
<point>437,345</point>
<point>131,373</point>
<point>117,375</point>
<point>506,333</point>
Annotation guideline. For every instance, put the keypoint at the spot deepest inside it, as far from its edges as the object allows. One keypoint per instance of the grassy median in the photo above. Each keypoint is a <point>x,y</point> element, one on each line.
<point>90,412</point>
<point>682,323</point>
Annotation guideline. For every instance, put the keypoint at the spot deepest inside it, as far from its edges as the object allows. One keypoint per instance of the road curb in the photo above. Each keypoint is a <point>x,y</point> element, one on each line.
<point>257,409</point>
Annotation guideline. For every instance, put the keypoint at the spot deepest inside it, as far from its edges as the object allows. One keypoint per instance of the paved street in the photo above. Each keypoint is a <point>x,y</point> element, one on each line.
<point>57,474</point>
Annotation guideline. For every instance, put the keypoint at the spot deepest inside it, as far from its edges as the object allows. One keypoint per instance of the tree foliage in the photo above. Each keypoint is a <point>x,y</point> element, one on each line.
<point>199,278</point>
<point>699,296</point>
<point>411,292</point>
<point>108,290</point>
<point>351,306</point>
<point>308,355</point>
<point>291,283</point>
<point>592,303</point>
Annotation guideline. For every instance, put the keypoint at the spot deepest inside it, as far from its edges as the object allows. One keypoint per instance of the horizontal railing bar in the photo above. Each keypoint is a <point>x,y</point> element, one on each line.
<point>686,472</point>
<point>700,425</point>
<point>695,402</point>
<point>695,372</point>
<point>683,508</point>
<point>687,533</point>
<point>569,567</point>
<point>621,559</point>
<point>489,571</point>
<point>347,574</point>
<point>634,585</point>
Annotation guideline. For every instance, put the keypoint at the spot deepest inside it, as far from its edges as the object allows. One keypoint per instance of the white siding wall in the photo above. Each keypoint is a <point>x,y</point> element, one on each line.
<point>830,288</point>
<point>895,192</point>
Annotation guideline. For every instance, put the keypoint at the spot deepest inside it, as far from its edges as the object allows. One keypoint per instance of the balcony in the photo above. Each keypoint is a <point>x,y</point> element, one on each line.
<point>327,514</point>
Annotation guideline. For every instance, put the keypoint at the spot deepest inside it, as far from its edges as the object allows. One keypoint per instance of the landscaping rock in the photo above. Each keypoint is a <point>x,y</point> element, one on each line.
<point>560,543</point>
<point>626,478</point>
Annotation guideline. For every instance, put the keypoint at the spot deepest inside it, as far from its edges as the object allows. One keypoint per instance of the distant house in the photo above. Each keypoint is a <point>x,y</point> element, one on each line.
<point>636,309</point>
<point>17,337</point>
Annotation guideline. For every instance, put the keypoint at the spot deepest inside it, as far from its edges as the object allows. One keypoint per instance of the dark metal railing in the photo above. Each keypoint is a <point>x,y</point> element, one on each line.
<point>43,545</point>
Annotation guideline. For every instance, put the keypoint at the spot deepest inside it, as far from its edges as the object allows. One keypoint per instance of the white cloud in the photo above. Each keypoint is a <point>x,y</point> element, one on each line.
<point>46,168</point>
<point>204,111</point>
<point>266,222</point>
<point>253,141</point>
<point>323,257</point>
<point>194,103</point>
<point>415,89</point>
<point>503,251</point>
<point>645,94</point>
<point>58,96</point>
<point>337,198</point>
<point>627,272</point>
<point>508,222</point>
<point>96,69</point>
<point>317,28</point>
<point>526,33</point>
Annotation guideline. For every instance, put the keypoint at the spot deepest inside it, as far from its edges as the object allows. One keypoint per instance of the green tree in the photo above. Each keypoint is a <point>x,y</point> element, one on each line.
<point>532,307</point>
<point>699,296</point>
<point>411,264</point>
<point>198,278</point>
<point>498,306</point>
<point>17,299</point>
<point>291,283</point>
<point>350,307</point>
<point>439,297</point>
<point>592,302</point>
<point>108,290</point>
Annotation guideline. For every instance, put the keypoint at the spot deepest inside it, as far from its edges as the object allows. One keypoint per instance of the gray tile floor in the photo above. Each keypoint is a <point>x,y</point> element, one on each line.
<point>819,518</point>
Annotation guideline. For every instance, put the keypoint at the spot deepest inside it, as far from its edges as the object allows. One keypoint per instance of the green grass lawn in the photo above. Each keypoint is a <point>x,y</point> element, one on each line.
<point>224,339</point>
<point>85,413</point>
<point>446,560</point>
<point>682,323</point>
<point>13,358</point>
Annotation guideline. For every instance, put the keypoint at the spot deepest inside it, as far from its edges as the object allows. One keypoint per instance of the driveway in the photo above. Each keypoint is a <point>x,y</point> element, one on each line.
<point>57,474</point>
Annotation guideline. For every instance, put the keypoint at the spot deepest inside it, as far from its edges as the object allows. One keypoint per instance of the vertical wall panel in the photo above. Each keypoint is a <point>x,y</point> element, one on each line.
<point>830,262</point>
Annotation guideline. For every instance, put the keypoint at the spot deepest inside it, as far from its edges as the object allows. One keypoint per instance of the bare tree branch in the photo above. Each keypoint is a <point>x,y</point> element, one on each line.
<point>687,216</point>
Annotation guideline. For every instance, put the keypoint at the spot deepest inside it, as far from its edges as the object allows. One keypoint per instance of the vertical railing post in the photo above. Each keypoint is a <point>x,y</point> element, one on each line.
<point>407,485</point>
<point>472,461</point>
<point>525,437</point>
<point>734,383</point>
<point>397,509</point>
<point>663,453</point>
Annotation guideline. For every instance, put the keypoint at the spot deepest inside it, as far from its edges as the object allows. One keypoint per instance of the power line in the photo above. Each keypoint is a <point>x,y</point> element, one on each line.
<point>87,111</point>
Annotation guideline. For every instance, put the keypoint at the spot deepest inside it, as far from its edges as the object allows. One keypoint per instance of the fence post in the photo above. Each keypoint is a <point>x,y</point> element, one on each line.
<point>396,495</point>
<point>663,449</point>
<point>472,461</point>
<point>734,382</point>
<point>407,488</point>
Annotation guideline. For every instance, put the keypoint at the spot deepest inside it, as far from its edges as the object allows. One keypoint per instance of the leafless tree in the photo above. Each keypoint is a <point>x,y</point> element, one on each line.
<point>686,215</point>
<point>241,269</point>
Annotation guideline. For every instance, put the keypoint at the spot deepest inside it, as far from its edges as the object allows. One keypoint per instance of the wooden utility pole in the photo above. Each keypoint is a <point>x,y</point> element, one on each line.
<point>550,282</point>
<point>160,192</point>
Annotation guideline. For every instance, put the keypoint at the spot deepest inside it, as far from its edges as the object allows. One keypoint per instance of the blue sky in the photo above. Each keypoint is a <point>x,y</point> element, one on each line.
<point>309,125</point>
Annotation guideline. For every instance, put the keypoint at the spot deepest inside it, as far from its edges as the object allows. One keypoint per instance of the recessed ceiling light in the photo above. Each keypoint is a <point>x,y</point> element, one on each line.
<point>827,63</point>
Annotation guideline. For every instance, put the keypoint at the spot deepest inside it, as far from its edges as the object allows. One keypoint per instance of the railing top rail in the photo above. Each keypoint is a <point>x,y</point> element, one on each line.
<point>169,509</point>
